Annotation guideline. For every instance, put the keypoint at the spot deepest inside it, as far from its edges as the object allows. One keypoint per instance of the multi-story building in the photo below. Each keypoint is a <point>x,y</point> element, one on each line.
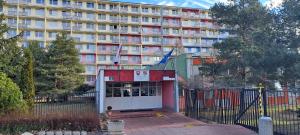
<point>146,32</point>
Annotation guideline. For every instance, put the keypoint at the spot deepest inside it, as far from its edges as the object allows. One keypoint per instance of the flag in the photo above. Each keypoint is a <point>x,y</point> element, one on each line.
<point>117,58</point>
<point>166,57</point>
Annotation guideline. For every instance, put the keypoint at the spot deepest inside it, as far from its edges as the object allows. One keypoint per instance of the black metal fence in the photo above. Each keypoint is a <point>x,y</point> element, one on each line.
<point>284,109</point>
<point>245,106</point>
<point>72,111</point>
<point>70,104</point>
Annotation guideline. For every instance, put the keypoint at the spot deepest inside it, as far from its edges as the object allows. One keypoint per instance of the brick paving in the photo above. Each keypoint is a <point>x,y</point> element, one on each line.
<point>177,124</point>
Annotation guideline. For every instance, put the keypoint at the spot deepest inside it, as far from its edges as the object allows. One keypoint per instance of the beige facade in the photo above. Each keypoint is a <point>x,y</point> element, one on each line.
<point>146,32</point>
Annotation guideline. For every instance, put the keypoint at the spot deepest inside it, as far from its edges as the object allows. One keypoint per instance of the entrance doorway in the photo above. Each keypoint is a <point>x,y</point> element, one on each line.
<point>133,95</point>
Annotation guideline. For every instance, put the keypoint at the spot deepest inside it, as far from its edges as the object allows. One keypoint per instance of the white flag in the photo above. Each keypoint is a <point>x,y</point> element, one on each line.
<point>117,58</point>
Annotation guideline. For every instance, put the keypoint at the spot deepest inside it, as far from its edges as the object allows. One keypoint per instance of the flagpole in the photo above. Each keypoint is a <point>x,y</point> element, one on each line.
<point>176,80</point>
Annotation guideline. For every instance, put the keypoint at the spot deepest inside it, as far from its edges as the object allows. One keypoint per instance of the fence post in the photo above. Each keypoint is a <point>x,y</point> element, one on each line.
<point>265,126</point>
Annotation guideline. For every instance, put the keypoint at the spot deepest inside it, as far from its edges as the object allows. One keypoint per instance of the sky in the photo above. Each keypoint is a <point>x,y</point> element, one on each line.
<point>196,3</point>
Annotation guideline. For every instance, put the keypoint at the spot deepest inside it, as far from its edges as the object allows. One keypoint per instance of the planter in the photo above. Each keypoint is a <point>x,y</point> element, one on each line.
<point>115,126</point>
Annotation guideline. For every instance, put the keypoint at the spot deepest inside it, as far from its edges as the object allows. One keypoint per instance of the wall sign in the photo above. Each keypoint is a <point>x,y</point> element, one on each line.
<point>141,75</point>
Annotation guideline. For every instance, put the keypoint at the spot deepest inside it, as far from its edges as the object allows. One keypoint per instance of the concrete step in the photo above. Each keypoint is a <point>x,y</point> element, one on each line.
<point>122,115</point>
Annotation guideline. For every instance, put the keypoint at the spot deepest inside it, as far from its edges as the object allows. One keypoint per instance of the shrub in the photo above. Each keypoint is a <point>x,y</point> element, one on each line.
<point>11,99</point>
<point>17,124</point>
<point>84,88</point>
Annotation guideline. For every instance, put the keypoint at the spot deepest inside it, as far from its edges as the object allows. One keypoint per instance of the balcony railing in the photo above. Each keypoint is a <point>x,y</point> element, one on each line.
<point>114,20</point>
<point>114,30</point>
<point>66,27</point>
<point>23,25</point>
<point>76,39</point>
<point>77,6</point>
<point>114,9</point>
<point>124,20</point>
<point>11,1</point>
<point>12,13</point>
<point>115,41</point>
<point>77,28</point>
<point>76,17</point>
<point>24,1</point>
<point>67,16</point>
<point>24,13</point>
<point>68,6</point>
<point>12,25</point>
<point>124,31</point>
<point>124,10</point>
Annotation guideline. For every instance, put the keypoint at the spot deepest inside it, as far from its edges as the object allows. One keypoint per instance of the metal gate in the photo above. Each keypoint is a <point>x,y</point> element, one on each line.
<point>225,106</point>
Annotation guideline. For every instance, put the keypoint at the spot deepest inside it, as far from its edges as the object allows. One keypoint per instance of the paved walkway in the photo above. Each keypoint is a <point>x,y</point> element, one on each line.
<point>177,124</point>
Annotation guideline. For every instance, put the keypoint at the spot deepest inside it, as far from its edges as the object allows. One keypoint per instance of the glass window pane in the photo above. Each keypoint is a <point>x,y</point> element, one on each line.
<point>158,91</point>
<point>109,92</point>
<point>144,91</point>
<point>152,91</point>
<point>135,92</point>
<point>126,92</point>
<point>117,92</point>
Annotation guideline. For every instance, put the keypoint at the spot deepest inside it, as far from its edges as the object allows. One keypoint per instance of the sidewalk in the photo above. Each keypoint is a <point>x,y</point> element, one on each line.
<point>177,124</point>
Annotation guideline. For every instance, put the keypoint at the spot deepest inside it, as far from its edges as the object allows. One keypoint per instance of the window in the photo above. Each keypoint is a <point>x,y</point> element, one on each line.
<point>135,29</point>
<point>52,24</point>
<point>155,20</point>
<point>175,31</point>
<point>78,14</point>
<point>89,25</point>
<point>25,44</point>
<point>175,12</point>
<point>40,12</point>
<point>90,5</point>
<point>53,2</point>
<point>90,47</point>
<point>145,19</point>
<point>40,1</point>
<point>39,34</point>
<point>90,78</point>
<point>53,12</point>
<point>101,6</point>
<point>117,92</point>
<point>134,9</point>
<point>155,10</point>
<point>102,16</point>
<point>124,7</point>
<point>135,19</point>
<point>102,37</point>
<point>52,34</point>
<point>66,2</point>
<point>126,92</point>
<point>145,39</point>
<point>90,16</point>
<point>109,92</point>
<point>102,48</point>
<point>113,7</point>
<point>152,91</point>
<point>26,33</point>
<point>78,3</point>
<point>101,58</point>
<point>135,92</point>
<point>39,23</point>
<point>144,90</point>
<point>102,27</point>
<point>156,39</point>
<point>145,10</point>
<point>41,44</point>
<point>135,49</point>
<point>77,25</point>
<point>90,58</point>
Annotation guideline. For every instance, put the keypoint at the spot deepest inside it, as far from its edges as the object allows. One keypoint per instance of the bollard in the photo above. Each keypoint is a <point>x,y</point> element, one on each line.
<point>265,126</point>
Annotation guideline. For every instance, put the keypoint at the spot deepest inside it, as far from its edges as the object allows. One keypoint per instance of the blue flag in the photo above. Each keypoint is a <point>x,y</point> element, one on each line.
<point>166,57</point>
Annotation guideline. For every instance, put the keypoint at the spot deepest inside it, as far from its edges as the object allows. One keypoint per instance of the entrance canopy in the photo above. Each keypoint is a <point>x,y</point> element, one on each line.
<point>136,89</point>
